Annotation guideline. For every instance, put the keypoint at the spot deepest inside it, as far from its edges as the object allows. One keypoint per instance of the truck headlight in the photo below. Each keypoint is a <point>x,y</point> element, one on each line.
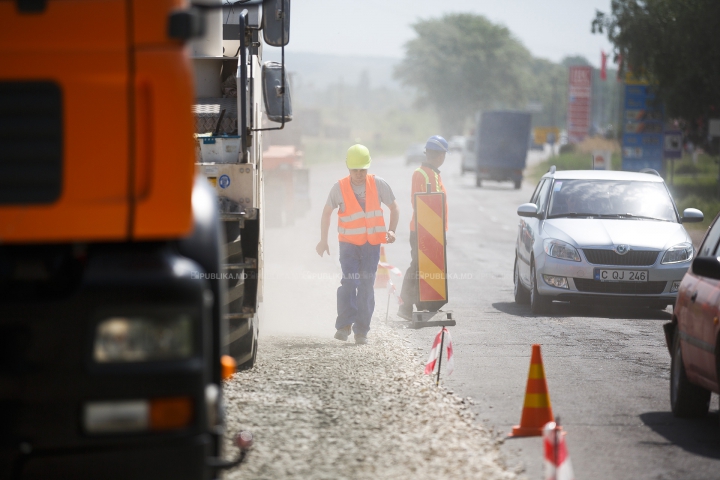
<point>561,250</point>
<point>143,339</point>
<point>682,252</point>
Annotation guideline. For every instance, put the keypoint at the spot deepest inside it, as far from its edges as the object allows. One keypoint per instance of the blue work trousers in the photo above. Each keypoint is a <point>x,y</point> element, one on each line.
<point>355,296</point>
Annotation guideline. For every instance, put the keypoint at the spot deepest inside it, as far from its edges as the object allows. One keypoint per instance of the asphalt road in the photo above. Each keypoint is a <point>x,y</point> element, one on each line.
<point>607,368</point>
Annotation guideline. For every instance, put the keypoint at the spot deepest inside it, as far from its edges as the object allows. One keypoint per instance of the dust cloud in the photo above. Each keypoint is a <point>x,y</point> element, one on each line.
<point>299,286</point>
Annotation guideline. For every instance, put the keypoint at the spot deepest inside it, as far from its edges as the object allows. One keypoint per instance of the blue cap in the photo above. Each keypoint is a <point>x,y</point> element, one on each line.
<point>437,143</point>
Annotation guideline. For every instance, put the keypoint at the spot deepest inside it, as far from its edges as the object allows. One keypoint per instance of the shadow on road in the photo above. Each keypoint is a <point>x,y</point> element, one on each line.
<point>561,310</point>
<point>498,186</point>
<point>699,436</point>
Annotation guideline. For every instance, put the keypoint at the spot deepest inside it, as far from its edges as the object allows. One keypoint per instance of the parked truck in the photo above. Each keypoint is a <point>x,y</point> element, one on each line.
<point>228,134</point>
<point>501,146</point>
<point>115,335</point>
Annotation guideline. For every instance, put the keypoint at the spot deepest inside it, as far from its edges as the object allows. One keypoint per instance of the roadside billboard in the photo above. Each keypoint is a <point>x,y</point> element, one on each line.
<point>579,103</point>
<point>643,143</point>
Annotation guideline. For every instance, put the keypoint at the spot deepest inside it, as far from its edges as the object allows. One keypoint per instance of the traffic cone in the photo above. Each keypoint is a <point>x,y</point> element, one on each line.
<point>537,410</point>
<point>383,276</point>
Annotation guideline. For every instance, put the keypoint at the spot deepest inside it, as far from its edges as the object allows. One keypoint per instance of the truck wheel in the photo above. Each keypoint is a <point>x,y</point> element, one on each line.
<point>538,303</point>
<point>522,295</point>
<point>478,182</point>
<point>250,363</point>
<point>686,399</point>
<point>518,184</point>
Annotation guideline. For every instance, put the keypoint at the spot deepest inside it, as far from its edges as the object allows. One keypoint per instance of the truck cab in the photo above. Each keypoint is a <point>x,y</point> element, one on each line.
<point>113,312</point>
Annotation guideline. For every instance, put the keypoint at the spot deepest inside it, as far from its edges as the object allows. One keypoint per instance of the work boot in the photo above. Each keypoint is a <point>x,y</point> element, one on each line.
<point>343,333</point>
<point>405,313</point>
<point>360,339</point>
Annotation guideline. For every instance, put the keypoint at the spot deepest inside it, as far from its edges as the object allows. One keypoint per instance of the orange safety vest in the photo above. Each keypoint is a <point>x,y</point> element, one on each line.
<point>420,186</point>
<point>357,226</point>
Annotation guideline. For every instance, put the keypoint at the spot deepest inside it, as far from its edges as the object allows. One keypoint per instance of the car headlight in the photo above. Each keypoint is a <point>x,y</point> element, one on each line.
<point>561,250</point>
<point>682,252</point>
<point>143,339</point>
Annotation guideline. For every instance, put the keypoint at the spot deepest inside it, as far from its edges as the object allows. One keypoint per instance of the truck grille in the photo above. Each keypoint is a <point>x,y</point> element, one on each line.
<point>635,258</point>
<point>31,142</point>
<point>622,288</point>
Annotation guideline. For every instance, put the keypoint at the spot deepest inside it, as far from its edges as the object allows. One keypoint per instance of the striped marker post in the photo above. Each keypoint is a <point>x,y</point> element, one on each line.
<point>537,410</point>
<point>432,268</point>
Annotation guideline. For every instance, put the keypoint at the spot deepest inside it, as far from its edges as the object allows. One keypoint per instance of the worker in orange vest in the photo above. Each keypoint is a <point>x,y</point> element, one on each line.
<point>436,148</point>
<point>361,230</point>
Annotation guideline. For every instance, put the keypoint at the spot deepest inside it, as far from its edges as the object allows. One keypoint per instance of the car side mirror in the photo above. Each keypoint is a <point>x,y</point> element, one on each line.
<point>528,210</point>
<point>692,215</point>
<point>276,22</point>
<point>708,267</point>
<point>276,91</point>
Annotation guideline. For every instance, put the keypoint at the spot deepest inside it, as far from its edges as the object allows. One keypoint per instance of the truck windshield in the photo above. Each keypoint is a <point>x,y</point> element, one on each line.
<point>611,199</point>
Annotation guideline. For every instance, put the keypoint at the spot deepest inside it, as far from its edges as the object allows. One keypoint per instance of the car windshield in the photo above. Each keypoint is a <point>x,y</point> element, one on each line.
<point>611,199</point>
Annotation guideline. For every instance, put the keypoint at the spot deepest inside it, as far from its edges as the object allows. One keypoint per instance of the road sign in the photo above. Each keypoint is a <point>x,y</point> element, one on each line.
<point>432,268</point>
<point>543,135</point>
<point>579,103</point>
<point>673,143</point>
<point>714,128</point>
<point>602,159</point>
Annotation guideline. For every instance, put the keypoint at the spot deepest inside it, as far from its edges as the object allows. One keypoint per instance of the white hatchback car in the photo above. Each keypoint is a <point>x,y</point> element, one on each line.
<point>601,236</point>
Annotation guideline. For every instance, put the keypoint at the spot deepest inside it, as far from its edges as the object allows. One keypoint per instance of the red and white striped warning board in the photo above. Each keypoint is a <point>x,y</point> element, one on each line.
<point>442,341</point>
<point>557,459</point>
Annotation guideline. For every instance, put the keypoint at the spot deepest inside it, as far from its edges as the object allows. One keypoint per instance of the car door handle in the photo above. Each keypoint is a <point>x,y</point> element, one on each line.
<point>693,297</point>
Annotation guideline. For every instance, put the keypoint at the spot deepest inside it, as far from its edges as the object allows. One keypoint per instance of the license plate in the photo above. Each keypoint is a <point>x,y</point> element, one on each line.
<point>621,275</point>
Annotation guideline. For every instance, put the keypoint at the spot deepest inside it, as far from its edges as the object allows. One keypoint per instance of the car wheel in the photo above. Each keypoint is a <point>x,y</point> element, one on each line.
<point>478,182</point>
<point>686,399</point>
<point>538,303</point>
<point>518,184</point>
<point>522,295</point>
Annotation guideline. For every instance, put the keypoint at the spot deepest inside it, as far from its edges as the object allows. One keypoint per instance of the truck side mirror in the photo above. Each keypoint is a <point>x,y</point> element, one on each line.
<point>276,22</point>
<point>277,98</point>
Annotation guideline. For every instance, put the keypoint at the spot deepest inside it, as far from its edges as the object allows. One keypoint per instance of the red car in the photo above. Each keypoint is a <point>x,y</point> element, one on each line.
<point>692,336</point>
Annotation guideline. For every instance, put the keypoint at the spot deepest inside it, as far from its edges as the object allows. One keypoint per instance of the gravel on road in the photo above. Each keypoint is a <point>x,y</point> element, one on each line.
<point>324,409</point>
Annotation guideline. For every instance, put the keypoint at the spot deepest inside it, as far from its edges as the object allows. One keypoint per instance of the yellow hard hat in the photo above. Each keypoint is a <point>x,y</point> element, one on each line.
<point>358,157</point>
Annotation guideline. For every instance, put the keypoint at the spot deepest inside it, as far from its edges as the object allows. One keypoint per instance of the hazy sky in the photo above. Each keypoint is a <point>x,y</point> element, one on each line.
<point>550,29</point>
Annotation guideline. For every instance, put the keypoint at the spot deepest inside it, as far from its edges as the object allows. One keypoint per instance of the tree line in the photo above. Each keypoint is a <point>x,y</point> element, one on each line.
<point>463,63</point>
<point>676,46</point>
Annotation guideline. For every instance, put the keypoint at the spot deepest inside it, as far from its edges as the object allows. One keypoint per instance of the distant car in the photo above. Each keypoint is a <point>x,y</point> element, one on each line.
<point>692,336</point>
<point>468,162</point>
<point>415,154</point>
<point>601,236</point>
<point>456,143</point>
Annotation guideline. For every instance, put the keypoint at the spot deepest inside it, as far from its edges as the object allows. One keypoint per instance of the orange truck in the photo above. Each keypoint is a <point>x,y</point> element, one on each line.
<point>114,309</point>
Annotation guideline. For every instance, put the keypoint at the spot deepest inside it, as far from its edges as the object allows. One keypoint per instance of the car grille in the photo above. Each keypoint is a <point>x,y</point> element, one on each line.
<point>623,288</point>
<point>634,258</point>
